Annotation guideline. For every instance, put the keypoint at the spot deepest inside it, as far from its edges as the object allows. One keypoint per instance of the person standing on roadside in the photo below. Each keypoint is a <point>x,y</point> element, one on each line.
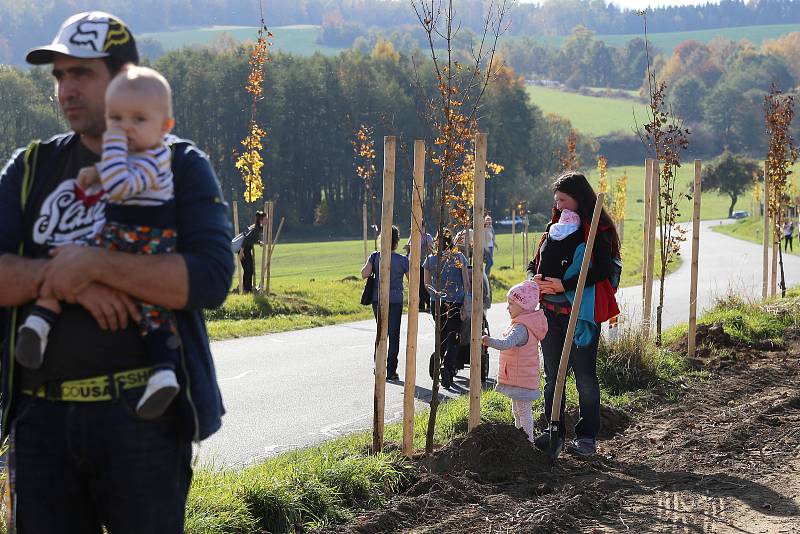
<point>80,459</point>
<point>426,244</point>
<point>788,235</point>
<point>489,244</point>
<point>398,268</point>
<point>246,253</point>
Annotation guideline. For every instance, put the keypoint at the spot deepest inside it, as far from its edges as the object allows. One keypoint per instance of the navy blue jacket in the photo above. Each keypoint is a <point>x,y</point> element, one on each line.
<point>204,237</point>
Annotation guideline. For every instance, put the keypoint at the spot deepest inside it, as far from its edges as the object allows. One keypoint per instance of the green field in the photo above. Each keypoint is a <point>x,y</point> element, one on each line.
<point>665,42</point>
<point>299,39</point>
<point>315,284</point>
<point>590,115</point>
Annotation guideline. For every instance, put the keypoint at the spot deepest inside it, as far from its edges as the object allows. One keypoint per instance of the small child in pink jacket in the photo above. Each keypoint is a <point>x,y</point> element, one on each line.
<point>518,376</point>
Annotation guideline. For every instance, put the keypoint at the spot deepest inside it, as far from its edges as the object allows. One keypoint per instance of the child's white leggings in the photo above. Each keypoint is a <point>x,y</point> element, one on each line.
<point>523,416</point>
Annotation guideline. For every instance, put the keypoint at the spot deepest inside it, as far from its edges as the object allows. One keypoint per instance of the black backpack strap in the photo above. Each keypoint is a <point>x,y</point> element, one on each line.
<point>30,160</point>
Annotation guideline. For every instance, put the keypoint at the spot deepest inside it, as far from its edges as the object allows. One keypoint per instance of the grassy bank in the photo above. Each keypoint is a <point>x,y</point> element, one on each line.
<point>752,229</point>
<point>327,484</point>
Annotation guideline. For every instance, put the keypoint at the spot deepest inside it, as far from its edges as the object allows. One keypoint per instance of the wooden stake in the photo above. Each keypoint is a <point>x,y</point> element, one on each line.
<point>648,183</point>
<point>264,246</point>
<point>236,232</point>
<point>513,239</point>
<point>271,217</point>
<point>776,246</point>
<point>364,218</point>
<point>276,238</point>
<point>525,243</point>
<point>767,236</point>
<point>415,259</point>
<point>478,214</point>
<point>695,252</point>
<point>555,412</point>
<point>381,351</point>
<point>651,247</point>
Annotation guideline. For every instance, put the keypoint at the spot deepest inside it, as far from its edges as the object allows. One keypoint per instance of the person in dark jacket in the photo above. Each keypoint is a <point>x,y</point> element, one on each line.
<point>555,268</point>
<point>246,256</point>
<point>78,451</point>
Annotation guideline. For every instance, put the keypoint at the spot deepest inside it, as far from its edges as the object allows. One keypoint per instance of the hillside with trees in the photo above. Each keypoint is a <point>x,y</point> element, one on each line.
<point>311,110</point>
<point>344,21</point>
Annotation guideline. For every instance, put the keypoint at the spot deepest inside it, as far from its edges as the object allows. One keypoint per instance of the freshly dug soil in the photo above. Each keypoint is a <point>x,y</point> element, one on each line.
<point>722,458</point>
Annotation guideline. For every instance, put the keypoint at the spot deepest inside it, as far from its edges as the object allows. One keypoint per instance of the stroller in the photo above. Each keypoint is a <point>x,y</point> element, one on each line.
<point>463,337</point>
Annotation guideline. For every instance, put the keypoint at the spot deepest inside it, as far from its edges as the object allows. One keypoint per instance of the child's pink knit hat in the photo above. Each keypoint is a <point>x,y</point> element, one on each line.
<point>526,294</point>
<point>569,217</point>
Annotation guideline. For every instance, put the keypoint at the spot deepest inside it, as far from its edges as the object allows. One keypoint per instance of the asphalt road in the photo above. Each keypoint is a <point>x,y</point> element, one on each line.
<point>294,389</point>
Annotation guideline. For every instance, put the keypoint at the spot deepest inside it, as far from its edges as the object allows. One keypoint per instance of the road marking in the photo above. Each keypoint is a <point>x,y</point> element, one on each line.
<point>241,375</point>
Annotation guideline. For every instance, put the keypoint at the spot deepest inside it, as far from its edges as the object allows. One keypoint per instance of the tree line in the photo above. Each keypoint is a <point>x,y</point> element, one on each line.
<point>22,23</point>
<point>311,110</point>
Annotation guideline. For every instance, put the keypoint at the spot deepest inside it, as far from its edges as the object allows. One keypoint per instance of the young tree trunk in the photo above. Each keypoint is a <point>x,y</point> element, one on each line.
<point>734,198</point>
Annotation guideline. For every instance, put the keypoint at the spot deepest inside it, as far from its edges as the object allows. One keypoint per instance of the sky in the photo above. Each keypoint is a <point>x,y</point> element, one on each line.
<point>641,4</point>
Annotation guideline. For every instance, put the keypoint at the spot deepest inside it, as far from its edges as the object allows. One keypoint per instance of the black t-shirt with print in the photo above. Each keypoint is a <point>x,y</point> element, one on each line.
<point>77,347</point>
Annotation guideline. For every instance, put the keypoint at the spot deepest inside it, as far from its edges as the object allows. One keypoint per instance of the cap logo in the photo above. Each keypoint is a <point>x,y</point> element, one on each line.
<point>90,34</point>
<point>117,35</point>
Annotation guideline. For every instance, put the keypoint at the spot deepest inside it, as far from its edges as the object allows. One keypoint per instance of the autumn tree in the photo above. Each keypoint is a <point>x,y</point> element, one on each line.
<point>364,156</point>
<point>618,204</point>
<point>452,111</point>
<point>665,137</point>
<point>249,162</point>
<point>602,175</point>
<point>781,156</point>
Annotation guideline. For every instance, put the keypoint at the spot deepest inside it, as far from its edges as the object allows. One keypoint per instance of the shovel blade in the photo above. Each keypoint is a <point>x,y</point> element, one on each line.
<point>556,443</point>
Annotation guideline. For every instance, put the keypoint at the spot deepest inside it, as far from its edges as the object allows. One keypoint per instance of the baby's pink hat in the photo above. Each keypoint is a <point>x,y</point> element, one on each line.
<point>569,217</point>
<point>526,294</point>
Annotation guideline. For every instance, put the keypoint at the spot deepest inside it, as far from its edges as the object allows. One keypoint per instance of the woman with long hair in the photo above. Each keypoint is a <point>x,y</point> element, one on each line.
<point>555,268</point>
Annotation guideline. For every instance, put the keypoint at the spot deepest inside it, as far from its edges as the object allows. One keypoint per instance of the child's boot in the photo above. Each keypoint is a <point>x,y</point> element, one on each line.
<point>161,388</point>
<point>32,337</point>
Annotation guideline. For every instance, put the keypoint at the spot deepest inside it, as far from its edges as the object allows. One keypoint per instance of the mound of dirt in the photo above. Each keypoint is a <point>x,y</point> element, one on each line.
<point>613,421</point>
<point>716,349</point>
<point>491,453</point>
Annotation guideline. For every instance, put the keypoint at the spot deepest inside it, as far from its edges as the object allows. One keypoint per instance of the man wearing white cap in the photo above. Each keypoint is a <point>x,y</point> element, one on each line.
<point>79,457</point>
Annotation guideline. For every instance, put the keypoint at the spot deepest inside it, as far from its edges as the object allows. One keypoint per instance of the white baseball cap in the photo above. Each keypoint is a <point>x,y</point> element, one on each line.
<point>89,35</point>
